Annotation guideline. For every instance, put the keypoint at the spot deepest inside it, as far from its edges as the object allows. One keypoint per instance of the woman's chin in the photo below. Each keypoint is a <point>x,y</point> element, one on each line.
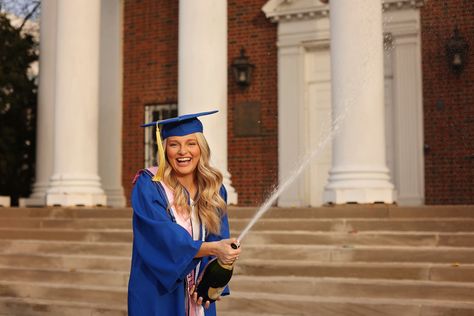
<point>184,171</point>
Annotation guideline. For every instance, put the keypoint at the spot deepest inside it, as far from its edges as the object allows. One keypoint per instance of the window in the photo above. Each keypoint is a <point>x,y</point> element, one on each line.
<point>153,113</point>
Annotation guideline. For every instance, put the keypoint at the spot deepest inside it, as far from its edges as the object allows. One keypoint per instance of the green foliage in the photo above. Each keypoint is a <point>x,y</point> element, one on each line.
<point>17,110</point>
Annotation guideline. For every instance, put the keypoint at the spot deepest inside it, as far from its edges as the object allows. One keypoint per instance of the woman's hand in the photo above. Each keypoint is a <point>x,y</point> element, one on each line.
<point>224,251</point>
<point>221,249</point>
<point>199,300</point>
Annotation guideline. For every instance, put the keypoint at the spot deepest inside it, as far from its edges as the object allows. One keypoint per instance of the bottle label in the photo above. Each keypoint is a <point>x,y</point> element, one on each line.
<point>214,293</point>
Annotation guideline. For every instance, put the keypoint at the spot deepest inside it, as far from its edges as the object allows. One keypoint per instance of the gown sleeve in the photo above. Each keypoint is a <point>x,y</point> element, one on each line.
<point>165,247</point>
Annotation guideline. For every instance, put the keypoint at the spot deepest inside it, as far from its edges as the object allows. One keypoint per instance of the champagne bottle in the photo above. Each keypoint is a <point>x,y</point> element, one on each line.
<point>214,279</point>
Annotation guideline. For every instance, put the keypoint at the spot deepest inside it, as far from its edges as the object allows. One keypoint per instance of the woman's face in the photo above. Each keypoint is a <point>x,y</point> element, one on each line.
<point>183,154</point>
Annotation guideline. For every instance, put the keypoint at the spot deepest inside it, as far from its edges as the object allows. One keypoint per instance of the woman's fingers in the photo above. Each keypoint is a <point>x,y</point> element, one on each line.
<point>206,306</point>
<point>226,253</point>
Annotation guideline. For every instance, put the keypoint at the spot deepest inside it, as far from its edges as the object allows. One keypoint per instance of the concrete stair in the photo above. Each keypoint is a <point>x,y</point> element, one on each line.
<point>355,260</point>
<point>352,260</point>
<point>64,261</point>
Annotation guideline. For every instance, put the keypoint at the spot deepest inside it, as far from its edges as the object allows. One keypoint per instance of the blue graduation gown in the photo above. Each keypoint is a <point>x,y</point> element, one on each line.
<point>163,254</point>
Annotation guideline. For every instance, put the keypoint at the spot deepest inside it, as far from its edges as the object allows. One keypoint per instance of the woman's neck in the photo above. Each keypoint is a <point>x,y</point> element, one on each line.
<point>189,183</point>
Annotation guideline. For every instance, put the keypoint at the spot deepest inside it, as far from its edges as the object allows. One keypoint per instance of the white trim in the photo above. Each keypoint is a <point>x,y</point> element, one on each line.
<point>284,10</point>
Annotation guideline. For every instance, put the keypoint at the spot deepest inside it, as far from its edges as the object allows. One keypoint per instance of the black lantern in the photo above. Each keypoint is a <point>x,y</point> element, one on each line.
<point>242,70</point>
<point>456,52</point>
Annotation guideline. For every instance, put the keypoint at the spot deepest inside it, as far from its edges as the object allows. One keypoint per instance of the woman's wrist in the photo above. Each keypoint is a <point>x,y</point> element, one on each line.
<point>208,248</point>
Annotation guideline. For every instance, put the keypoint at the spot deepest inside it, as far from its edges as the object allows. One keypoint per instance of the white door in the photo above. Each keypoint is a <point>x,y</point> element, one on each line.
<point>318,120</point>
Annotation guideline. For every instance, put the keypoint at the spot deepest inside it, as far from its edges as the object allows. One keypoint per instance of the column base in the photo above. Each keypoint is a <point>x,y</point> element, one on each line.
<point>115,197</point>
<point>76,199</point>
<point>5,201</point>
<point>359,185</point>
<point>37,198</point>
<point>33,201</point>
<point>361,196</point>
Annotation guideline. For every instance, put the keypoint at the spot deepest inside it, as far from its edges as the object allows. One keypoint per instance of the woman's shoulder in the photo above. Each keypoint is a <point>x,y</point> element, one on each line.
<point>147,194</point>
<point>145,173</point>
<point>145,186</point>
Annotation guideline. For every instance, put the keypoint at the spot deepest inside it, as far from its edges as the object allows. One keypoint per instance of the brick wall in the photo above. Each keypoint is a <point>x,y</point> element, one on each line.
<point>150,76</point>
<point>448,105</point>
<point>150,69</point>
<point>253,160</point>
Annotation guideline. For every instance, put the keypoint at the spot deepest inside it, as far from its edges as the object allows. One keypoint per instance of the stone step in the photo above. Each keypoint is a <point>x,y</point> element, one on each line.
<point>337,225</point>
<point>359,211</point>
<point>57,276</point>
<point>65,247</point>
<point>101,235</point>
<point>315,238</point>
<point>21,306</point>
<point>348,287</point>
<point>413,239</point>
<point>345,253</point>
<point>369,270</point>
<point>455,271</point>
<point>68,212</point>
<point>224,313</point>
<point>72,263</point>
<point>359,225</point>
<point>346,211</point>
<point>292,305</point>
<point>61,223</point>
<point>359,253</point>
<point>73,293</point>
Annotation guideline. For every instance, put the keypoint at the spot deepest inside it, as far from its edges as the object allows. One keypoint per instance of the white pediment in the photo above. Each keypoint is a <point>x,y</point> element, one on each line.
<point>277,10</point>
<point>294,9</point>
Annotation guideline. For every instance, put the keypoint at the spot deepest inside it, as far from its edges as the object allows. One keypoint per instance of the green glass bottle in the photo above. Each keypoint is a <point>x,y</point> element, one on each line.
<point>214,279</point>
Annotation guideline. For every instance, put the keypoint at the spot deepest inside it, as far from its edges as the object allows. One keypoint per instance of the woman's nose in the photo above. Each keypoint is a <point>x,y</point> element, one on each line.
<point>182,150</point>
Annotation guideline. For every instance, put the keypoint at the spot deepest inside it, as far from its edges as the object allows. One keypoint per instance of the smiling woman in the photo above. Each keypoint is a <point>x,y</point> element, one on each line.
<point>183,154</point>
<point>179,223</point>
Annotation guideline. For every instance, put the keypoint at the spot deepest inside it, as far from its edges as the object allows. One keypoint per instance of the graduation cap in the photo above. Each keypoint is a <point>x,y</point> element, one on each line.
<point>177,126</point>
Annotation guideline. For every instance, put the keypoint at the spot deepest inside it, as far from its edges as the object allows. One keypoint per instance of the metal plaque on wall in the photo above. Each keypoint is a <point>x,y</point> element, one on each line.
<point>247,119</point>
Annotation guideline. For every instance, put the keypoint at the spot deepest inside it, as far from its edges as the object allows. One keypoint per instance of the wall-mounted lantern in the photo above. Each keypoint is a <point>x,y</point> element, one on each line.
<point>242,70</point>
<point>456,52</point>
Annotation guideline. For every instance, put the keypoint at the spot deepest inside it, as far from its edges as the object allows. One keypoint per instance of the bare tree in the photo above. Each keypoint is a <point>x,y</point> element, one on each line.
<point>24,9</point>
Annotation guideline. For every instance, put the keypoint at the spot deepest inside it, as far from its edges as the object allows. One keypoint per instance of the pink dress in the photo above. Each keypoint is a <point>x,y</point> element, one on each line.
<point>192,308</point>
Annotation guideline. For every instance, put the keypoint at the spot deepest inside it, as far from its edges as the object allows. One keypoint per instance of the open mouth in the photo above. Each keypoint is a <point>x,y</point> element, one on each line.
<point>183,160</point>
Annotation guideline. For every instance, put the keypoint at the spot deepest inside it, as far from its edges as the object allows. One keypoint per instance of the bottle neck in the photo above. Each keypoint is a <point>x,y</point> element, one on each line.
<point>225,266</point>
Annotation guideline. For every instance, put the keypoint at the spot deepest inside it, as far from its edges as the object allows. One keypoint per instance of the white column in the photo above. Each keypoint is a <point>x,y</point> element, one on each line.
<point>4,201</point>
<point>202,77</point>
<point>359,172</point>
<point>44,131</point>
<point>75,180</point>
<point>110,102</point>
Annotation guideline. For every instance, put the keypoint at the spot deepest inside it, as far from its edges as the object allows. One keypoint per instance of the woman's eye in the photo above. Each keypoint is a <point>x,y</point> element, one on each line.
<point>192,144</point>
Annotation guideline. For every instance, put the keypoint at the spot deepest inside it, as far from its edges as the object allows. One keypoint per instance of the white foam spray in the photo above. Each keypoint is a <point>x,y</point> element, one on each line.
<point>326,137</point>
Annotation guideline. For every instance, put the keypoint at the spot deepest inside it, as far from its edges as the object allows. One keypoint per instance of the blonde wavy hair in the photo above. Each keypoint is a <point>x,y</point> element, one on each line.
<point>209,204</point>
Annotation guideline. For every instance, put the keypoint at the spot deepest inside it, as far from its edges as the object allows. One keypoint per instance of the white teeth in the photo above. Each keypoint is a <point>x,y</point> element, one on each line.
<point>183,159</point>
